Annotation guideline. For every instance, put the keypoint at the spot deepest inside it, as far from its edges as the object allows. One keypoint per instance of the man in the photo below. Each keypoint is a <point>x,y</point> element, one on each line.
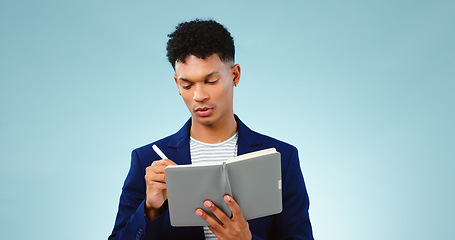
<point>202,55</point>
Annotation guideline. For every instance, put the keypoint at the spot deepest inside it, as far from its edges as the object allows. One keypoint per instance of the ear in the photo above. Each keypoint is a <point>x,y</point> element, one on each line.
<point>235,71</point>
<point>177,82</point>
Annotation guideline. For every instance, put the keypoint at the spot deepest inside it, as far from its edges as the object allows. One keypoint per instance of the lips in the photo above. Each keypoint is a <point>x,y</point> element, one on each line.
<point>204,112</point>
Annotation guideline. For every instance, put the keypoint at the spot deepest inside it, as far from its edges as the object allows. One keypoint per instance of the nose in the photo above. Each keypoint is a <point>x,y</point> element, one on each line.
<point>200,93</point>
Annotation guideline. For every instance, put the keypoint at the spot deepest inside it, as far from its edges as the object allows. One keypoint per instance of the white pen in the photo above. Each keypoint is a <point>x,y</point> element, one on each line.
<point>159,152</point>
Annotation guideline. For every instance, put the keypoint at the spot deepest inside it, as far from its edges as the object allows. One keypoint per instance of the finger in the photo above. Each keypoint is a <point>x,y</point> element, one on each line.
<point>157,187</point>
<point>155,181</point>
<point>155,169</point>
<point>155,177</point>
<point>235,208</point>
<point>218,212</point>
<point>211,221</point>
<point>152,174</point>
<point>169,162</point>
<point>163,162</point>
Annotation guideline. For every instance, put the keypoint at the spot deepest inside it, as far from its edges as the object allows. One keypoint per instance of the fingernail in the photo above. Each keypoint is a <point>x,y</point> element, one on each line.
<point>199,212</point>
<point>208,204</point>
<point>228,198</point>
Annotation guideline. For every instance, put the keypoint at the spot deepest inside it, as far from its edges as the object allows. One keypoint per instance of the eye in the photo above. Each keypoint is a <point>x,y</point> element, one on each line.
<point>185,84</point>
<point>188,86</point>
<point>212,81</point>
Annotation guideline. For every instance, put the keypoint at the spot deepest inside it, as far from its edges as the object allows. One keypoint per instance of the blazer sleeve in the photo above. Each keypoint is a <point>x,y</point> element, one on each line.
<point>131,222</point>
<point>294,220</point>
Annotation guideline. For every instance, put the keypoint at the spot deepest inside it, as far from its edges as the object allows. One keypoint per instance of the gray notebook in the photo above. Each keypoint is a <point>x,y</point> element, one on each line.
<point>253,179</point>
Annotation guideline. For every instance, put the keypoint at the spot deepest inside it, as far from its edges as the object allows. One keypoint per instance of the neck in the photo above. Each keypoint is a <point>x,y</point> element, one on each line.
<point>214,133</point>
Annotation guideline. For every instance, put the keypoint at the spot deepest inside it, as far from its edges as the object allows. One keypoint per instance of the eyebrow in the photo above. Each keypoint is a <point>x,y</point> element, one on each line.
<point>206,76</point>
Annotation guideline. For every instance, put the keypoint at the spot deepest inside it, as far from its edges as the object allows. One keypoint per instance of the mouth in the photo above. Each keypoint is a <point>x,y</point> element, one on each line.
<point>203,111</point>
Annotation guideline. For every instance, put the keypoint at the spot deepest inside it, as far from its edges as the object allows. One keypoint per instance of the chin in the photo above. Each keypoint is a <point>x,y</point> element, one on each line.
<point>206,121</point>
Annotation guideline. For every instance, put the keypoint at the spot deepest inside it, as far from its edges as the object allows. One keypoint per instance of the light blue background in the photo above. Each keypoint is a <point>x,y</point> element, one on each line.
<point>364,89</point>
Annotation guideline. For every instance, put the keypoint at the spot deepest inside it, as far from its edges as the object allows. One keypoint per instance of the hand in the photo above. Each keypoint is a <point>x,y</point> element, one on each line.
<point>231,228</point>
<point>156,187</point>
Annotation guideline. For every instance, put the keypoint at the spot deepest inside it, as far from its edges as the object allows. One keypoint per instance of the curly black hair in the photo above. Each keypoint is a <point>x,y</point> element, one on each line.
<point>200,38</point>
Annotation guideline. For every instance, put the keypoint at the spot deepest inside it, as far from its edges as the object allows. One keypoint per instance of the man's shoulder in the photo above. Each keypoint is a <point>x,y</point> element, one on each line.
<point>172,140</point>
<point>254,138</point>
<point>160,143</point>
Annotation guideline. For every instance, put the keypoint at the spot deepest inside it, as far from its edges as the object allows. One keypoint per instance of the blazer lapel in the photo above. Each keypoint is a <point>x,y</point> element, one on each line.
<point>247,141</point>
<point>178,148</point>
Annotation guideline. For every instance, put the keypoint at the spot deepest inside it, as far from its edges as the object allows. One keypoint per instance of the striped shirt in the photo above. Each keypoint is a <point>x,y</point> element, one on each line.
<point>212,152</point>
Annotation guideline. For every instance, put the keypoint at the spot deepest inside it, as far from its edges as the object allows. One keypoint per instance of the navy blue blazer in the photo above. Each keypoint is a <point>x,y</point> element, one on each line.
<point>292,223</point>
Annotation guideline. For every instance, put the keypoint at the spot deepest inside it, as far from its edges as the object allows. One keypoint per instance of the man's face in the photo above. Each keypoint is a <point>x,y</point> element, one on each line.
<point>206,86</point>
